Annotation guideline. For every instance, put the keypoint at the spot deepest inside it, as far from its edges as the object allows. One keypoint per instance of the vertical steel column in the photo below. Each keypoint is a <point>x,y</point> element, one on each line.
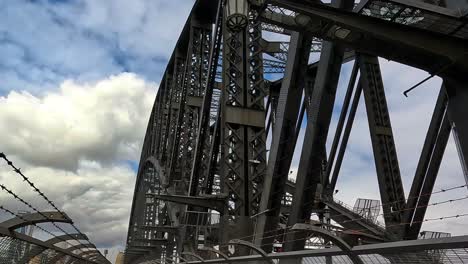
<point>283,139</point>
<point>242,132</point>
<point>383,145</point>
<point>234,172</point>
<point>458,111</point>
<point>256,135</point>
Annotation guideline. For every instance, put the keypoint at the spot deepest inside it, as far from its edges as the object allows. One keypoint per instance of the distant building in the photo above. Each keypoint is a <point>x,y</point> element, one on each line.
<point>120,258</point>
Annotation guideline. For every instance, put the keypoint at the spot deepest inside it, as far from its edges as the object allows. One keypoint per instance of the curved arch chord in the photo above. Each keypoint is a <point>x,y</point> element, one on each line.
<point>253,247</point>
<point>193,255</point>
<point>179,257</point>
<point>340,243</point>
<point>221,254</point>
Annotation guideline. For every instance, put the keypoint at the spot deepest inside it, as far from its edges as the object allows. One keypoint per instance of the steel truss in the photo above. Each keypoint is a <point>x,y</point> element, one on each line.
<point>208,171</point>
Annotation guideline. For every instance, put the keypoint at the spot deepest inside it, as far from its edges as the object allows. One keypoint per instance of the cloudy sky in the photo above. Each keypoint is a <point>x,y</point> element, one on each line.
<point>78,79</point>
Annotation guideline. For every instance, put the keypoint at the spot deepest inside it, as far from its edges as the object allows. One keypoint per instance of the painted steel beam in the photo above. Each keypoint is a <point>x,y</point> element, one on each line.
<point>242,128</point>
<point>216,202</point>
<point>383,144</point>
<point>283,139</point>
<point>309,181</point>
<point>457,111</point>
<point>428,167</point>
<point>162,228</point>
<point>200,168</point>
<point>333,176</point>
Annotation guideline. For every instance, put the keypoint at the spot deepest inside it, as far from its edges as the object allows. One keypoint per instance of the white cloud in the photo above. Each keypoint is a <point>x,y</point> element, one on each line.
<point>74,145</point>
<point>102,122</point>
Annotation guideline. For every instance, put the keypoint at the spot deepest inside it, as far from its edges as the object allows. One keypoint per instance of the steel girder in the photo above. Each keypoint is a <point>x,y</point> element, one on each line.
<point>457,110</point>
<point>284,138</point>
<point>428,166</point>
<point>204,138</point>
<point>242,131</point>
<point>386,162</point>
<point>310,179</point>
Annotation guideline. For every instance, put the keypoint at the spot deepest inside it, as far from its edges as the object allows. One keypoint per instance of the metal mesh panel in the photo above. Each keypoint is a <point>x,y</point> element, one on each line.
<point>335,259</point>
<point>419,18</point>
<point>15,251</point>
<point>432,234</point>
<point>367,208</point>
<point>45,257</point>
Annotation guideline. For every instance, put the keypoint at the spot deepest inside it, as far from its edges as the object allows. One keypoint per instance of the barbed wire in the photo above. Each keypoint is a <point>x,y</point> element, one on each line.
<point>26,179</point>
<point>41,194</point>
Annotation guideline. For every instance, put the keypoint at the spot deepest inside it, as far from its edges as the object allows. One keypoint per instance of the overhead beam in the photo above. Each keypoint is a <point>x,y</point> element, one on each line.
<point>439,54</point>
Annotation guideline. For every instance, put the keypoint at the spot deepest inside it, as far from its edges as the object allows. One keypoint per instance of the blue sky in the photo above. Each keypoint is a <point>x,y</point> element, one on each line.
<point>77,83</point>
<point>44,42</point>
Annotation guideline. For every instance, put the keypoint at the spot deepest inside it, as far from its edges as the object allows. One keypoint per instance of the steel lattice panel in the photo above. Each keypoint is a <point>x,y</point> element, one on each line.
<point>415,17</point>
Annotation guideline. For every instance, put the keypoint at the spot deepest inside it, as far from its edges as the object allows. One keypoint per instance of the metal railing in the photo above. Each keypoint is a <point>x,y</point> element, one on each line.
<point>451,250</point>
<point>351,209</point>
